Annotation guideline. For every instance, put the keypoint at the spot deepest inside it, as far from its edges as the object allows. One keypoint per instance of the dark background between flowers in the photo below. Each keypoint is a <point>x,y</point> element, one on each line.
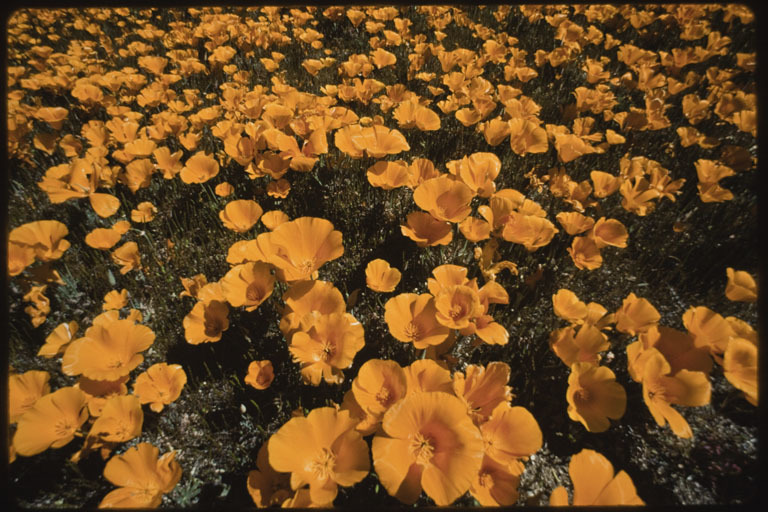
<point>218,423</point>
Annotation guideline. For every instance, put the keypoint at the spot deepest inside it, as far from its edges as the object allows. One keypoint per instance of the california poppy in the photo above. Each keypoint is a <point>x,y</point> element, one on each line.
<point>206,322</point>
<point>306,296</point>
<point>144,212</point>
<point>594,483</point>
<point>573,346</point>
<point>274,218</point>
<point>248,284</point>
<point>444,198</point>
<point>428,442</point>
<point>709,329</point>
<point>58,339</point>
<point>740,367</point>
<point>240,215</point>
<point>412,318</point>
<point>51,422</point>
<point>120,420</point>
<point>379,385</point>
<point>265,485</point>
<point>388,175</point>
<point>323,450</point>
<point>199,168</point>
<point>609,232</point>
<point>160,385</point>
<point>260,374</point>
<point>44,237</point>
<point>594,396</point>
<point>677,347</point>
<point>483,388</point>
<point>25,389</point>
<point>127,255</point>
<point>532,231</point>
<point>425,230</point>
<point>115,299</point>
<point>142,477</point>
<point>380,277</point>
<point>741,286</point>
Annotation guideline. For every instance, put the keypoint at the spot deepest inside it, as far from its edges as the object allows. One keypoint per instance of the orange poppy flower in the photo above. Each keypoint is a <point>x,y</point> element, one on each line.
<point>19,258</point>
<point>44,237</point>
<point>142,478</point>
<point>510,435</point>
<point>301,246</point>
<point>98,391</point>
<point>740,367</point>
<point>425,230</point>
<point>379,384</point>
<point>527,136</point>
<point>495,485</point>
<point>495,131</point>
<point>444,198</point>
<point>594,396</point>
<point>421,170</point>
<point>199,168</point>
<point>323,450</point>
<point>575,223</point>
<point>582,346</point>
<point>144,212</point>
<point>24,390</point>
<point>637,195</point>
<point>240,215</point>
<point>388,175</point>
<point>595,484</point>
<point>457,305</point>
<point>160,385</point>
<point>483,388</point>
<point>477,171</point>
<point>115,299</point>
<point>51,422</point>
<point>260,374</point>
<point>474,229</point>
<point>609,232</point>
<point>53,116</point>
<point>192,285</point>
<point>248,285</point>
<point>326,344</point>
<point>661,389</point>
<point>636,315</point>
<point>305,297</point>
<point>741,286</point>
<point>127,255</point>
<point>412,318</point>
<point>167,162</point>
<point>265,485</point>
<point>274,218</point>
<point>279,189</point>
<point>108,350</point>
<point>427,375</point>
<point>106,238</point>
<point>380,277</point>
<point>708,329</point>
<point>677,347</point>
<point>206,322</point>
<point>568,306</point>
<point>531,231</point>
<point>412,114</point>
<point>58,340</point>
<point>376,141</point>
<point>585,254</point>
<point>120,420</point>
<point>429,443</point>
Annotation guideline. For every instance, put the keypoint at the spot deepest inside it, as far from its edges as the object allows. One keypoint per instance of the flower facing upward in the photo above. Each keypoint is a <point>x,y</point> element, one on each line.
<point>411,318</point>
<point>445,198</point>
<point>199,168</point>
<point>379,385</point>
<point>142,477</point>
<point>380,277</point>
<point>594,396</point>
<point>206,322</point>
<point>323,450</point>
<point>248,285</point>
<point>325,344</point>
<point>240,215</point>
<point>24,390</point>
<point>595,484</point>
<point>260,374</point>
<point>483,388</point>
<point>428,442</point>
<point>160,385</point>
<point>51,422</point>
<point>306,296</point>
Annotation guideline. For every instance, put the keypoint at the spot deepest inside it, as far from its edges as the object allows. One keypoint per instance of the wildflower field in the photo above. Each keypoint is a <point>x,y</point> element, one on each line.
<point>382,256</point>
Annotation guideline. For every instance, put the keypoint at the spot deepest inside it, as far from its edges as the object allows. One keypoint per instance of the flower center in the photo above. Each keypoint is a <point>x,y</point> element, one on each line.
<point>322,466</point>
<point>326,351</point>
<point>307,266</point>
<point>582,395</point>
<point>115,363</point>
<point>486,480</point>
<point>456,311</point>
<point>422,448</point>
<point>383,396</point>
<point>63,428</point>
<point>412,332</point>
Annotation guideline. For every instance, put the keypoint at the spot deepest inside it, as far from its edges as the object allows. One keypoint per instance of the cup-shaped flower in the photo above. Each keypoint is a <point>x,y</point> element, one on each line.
<point>445,198</point>
<point>115,300</point>
<point>475,229</point>
<point>127,256</point>
<point>240,215</point>
<point>428,442</point>
<point>609,232</point>
<point>323,450</point>
<point>678,348</point>
<point>192,285</point>
<point>594,396</point>
<point>594,483</point>
<point>477,171</point>
<point>24,390</point>
<point>57,341</point>
<point>636,315</point>
<point>326,344</point>
<point>97,392</point>
<point>388,175</point>
<point>248,284</point>
<point>526,136</point>
<point>108,351</point>
<point>265,485</point>
<point>457,305</point>
<point>144,212</point>
<point>495,484</point>
<point>740,367</point>
<point>426,375</point>
<point>532,231</point>
<point>482,389</point>
<point>709,329</point>
<point>120,420</point>
<point>160,385</point>
<point>106,238</point>
<point>425,230</point>
<point>306,296</point>
<point>299,247</point>
<point>380,277</point>
<point>412,318</point>
<point>51,422</point>
<point>661,389</point>
<point>19,258</point>
<point>274,218</point>
<point>142,478</point>
<point>568,306</point>
<point>206,322</point>
<point>44,237</point>
<point>260,374</point>
<point>741,286</point>
<point>604,183</point>
<point>578,346</point>
<point>199,168</point>
<point>379,384</point>
<point>585,254</point>
<point>575,223</point>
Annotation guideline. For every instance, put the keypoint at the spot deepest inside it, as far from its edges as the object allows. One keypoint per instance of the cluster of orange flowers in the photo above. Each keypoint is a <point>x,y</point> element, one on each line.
<point>198,116</point>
